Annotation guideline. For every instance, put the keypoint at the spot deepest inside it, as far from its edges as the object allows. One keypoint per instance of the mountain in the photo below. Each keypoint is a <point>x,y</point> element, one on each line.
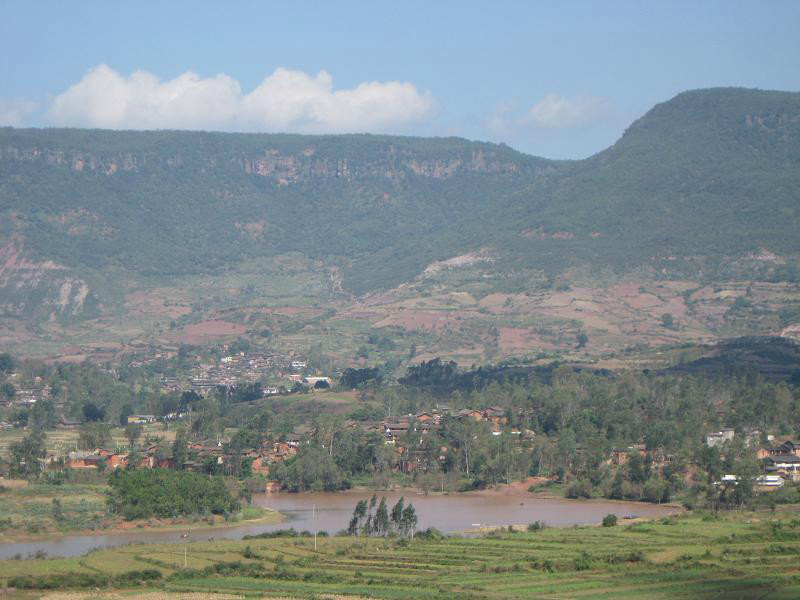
<point>705,186</point>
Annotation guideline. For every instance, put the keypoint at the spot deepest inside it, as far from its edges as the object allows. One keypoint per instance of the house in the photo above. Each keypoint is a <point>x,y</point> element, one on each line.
<point>620,456</point>
<point>260,466</point>
<point>470,413</point>
<point>394,430</point>
<point>789,447</point>
<point>765,451</point>
<point>787,466</point>
<point>68,423</point>
<point>717,438</point>
<point>141,419</point>
<point>768,483</point>
<point>312,381</point>
<point>495,414</point>
<point>81,459</point>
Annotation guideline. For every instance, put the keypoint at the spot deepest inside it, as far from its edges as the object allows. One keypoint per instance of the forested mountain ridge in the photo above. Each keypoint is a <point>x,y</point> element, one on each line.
<point>704,186</point>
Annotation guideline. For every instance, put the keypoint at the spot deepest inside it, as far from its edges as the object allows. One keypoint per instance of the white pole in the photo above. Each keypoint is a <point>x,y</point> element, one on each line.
<point>314,517</point>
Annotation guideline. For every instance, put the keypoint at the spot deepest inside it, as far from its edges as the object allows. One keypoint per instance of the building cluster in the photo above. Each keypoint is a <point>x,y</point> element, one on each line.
<point>25,394</point>
<point>781,460</point>
<point>236,369</point>
<point>200,456</point>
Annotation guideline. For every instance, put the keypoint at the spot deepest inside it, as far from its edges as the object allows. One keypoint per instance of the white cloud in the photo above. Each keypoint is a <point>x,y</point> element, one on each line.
<point>554,111</point>
<point>15,112</point>
<point>287,100</point>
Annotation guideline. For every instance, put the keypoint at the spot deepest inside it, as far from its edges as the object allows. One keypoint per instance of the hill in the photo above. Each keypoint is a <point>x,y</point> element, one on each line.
<point>703,187</point>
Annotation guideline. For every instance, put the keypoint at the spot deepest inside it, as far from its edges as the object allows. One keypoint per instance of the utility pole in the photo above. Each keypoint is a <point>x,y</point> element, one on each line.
<point>314,518</point>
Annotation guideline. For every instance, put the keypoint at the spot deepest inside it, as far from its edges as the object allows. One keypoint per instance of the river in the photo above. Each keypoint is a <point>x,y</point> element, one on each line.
<point>331,512</point>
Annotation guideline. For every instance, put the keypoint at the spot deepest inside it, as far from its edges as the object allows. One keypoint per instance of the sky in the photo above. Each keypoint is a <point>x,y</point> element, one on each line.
<point>554,79</point>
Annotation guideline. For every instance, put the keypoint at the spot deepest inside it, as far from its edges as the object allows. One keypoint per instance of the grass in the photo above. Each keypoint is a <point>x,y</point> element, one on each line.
<point>62,441</point>
<point>739,555</point>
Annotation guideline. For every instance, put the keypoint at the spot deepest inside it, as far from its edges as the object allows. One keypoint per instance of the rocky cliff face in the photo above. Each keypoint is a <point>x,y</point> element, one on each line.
<point>284,168</point>
<point>39,289</point>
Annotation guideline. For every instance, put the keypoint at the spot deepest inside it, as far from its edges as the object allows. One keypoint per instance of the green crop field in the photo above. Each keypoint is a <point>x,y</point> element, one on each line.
<point>736,555</point>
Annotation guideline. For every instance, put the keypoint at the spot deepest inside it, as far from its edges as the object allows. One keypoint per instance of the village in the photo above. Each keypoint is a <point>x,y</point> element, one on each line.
<point>403,434</point>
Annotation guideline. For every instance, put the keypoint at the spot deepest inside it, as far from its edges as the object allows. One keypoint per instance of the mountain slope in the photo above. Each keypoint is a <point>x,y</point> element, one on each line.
<point>706,184</point>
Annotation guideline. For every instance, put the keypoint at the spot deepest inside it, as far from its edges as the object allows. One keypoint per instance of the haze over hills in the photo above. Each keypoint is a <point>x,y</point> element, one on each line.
<point>703,189</point>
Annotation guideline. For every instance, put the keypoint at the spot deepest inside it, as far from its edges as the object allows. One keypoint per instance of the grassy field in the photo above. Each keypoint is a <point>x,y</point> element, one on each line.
<point>738,555</point>
<point>31,510</point>
<point>59,442</point>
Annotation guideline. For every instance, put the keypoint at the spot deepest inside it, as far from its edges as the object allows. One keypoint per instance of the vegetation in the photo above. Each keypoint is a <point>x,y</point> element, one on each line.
<point>146,493</point>
<point>739,555</point>
<point>150,201</point>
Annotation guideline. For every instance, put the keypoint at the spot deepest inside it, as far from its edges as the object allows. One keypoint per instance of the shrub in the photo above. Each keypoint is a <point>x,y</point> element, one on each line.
<point>610,520</point>
<point>536,526</point>
<point>579,489</point>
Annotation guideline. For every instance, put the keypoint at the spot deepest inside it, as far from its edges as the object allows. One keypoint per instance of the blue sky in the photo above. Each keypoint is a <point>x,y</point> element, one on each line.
<point>561,80</point>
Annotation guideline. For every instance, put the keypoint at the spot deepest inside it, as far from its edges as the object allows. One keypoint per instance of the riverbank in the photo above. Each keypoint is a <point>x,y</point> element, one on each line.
<point>539,488</point>
<point>44,512</point>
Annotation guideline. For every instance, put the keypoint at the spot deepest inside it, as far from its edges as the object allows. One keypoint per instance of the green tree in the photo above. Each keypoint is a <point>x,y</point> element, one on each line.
<point>397,515</point>
<point>42,414</point>
<point>381,524</point>
<point>180,448</point>
<point>7,363</point>
<point>27,454</point>
<point>133,431</point>
<point>94,435</point>
<point>408,521</point>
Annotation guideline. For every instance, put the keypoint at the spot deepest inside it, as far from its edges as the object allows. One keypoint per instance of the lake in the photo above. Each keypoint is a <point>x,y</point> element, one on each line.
<point>331,512</point>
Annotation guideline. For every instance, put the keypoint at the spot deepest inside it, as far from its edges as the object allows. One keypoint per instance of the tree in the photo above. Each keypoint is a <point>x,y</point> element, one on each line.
<point>408,521</point>
<point>125,412</point>
<point>27,453</point>
<point>8,391</point>
<point>583,339</point>
<point>133,431</point>
<point>180,449</point>
<point>617,487</point>
<point>7,363</point>
<point>94,435</point>
<point>667,321</point>
<point>42,414</point>
<point>397,514</point>
<point>381,522</point>
<point>359,514</point>
<point>92,412</point>
<point>636,467</point>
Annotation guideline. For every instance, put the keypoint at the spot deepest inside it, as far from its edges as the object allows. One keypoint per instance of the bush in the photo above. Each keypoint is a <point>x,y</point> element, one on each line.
<point>579,489</point>
<point>536,526</point>
<point>610,520</point>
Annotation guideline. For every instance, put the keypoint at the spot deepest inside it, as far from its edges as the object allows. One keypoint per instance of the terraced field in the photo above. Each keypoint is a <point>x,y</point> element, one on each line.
<point>743,555</point>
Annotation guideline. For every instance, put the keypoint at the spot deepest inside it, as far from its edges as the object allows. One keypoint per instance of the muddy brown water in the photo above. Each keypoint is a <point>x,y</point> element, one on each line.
<point>331,512</point>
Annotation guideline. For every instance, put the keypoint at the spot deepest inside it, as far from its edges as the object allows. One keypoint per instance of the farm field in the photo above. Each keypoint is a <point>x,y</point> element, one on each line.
<point>62,441</point>
<point>735,555</point>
